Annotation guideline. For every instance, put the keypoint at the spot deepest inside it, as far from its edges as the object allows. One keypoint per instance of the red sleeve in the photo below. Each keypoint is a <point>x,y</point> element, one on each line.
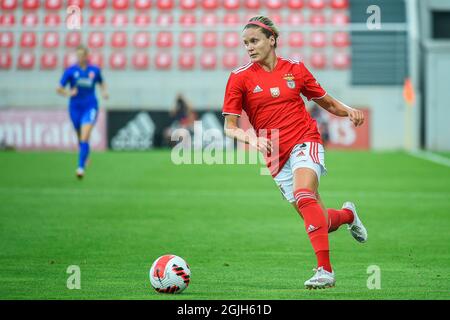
<point>234,96</point>
<point>311,88</point>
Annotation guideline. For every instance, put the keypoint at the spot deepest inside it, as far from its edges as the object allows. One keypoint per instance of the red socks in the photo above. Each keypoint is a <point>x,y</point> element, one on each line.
<point>336,218</point>
<point>315,224</point>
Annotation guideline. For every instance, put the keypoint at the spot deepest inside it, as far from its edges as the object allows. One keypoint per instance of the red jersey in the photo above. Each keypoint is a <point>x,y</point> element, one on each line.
<point>272,101</point>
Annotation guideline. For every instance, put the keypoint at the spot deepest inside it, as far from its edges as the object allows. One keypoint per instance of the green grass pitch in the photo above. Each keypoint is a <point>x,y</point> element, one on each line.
<point>240,238</point>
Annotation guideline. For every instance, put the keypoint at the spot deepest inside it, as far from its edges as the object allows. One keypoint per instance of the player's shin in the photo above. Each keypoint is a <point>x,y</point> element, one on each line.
<point>84,153</point>
<point>336,218</point>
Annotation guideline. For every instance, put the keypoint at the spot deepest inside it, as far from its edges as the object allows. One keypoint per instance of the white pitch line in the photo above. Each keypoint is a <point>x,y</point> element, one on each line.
<point>425,155</point>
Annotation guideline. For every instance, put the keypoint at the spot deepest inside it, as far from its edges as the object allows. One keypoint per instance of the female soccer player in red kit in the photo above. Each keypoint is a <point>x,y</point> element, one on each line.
<point>268,89</point>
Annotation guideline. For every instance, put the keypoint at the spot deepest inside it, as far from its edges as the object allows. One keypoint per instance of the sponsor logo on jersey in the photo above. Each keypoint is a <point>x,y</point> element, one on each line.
<point>257,89</point>
<point>275,92</point>
<point>289,80</point>
<point>91,74</point>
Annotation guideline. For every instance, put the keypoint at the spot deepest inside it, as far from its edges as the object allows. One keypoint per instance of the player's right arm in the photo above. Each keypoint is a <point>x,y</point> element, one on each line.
<point>61,90</point>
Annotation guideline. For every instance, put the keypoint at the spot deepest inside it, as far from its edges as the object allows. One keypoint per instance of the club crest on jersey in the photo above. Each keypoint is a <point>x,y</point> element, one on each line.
<point>275,92</point>
<point>91,74</point>
<point>289,80</point>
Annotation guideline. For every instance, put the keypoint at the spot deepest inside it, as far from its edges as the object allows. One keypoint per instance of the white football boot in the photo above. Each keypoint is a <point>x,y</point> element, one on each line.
<point>357,229</point>
<point>321,279</point>
<point>80,173</point>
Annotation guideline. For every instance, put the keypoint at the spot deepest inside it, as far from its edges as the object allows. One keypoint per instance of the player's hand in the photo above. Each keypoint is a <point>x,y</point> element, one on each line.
<point>73,92</point>
<point>356,116</point>
<point>262,144</point>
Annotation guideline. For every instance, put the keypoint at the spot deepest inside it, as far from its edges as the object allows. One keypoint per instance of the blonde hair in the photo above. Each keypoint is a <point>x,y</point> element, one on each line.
<point>271,30</point>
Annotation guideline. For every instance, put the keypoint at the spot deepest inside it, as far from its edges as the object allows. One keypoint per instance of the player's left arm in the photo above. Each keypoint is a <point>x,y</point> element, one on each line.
<point>102,85</point>
<point>340,109</point>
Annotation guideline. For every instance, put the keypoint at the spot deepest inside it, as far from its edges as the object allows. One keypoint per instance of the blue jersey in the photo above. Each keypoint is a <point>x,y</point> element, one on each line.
<point>85,81</point>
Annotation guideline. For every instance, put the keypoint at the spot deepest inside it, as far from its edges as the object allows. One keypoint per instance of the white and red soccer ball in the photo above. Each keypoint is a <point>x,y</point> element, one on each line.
<point>170,274</point>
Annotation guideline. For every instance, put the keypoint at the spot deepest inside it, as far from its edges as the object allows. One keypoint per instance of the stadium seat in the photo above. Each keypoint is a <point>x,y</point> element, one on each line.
<point>49,61</point>
<point>70,58</point>
<point>78,3</point>
<point>188,4</point>
<point>165,4</point>
<point>340,19</point>
<point>140,61</point>
<point>231,39</point>
<point>164,20</point>
<point>164,39</point>
<point>317,19</point>
<point>276,18</point>
<point>186,61</point>
<point>296,40</point>
<point>210,19</point>
<point>142,4</point>
<point>119,20</point>
<point>318,39</point>
<point>316,4</point>
<point>8,4</point>
<point>230,60</point>
<point>7,20</point>
<point>163,60</point>
<point>52,20</point>
<point>26,60</point>
<point>274,4</point>
<point>296,56</point>
<point>339,4</point>
<point>119,39</point>
<point>96,39</point>
<point>28,40</point>
<point>208,60</point>
<point>141,39</point>
<point>187,40</point>
<point>98,4</point>
<point>341,60</point>
<point>210,4</point>
<point>30,20</point>
<point>341,39</point>
<point>120,4</point>
<point>318,60</point>
<point>209,39</point>
<point>97,20</point>
<point>295,19</point>
<point>73,39</point>
<point>53,4</point>
<point>142,20</point>
<point>231,4</point>
<point>6,39</point>
<point>96,58</point>
<point>231,19</point>
<point>5,60</point>
<point>117,61</point>
<point>50,40</point>
<point>253,4</point>
<point>30,4</point>
<point>188,20</point>
<point>295,4</point>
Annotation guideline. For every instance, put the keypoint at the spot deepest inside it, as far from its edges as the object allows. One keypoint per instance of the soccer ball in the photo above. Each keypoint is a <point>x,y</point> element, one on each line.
<point>170,274</point>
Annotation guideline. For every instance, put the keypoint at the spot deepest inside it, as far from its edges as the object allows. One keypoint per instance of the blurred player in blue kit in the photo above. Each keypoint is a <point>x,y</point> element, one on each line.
<point>83,105</point>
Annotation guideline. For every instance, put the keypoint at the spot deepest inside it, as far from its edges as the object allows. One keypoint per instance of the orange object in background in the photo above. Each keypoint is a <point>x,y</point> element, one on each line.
<point>408,92</point>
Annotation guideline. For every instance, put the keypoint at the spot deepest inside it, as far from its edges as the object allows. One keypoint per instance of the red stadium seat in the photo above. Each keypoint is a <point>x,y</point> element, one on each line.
<point>30,4</point>
<point>53,4</point>
<point>210,19</point>
<point>120,4</point>
<point>274,4</point>
<point>78,3</point>
<point>339,4</point>
<point>164,39</point>
<point>5,60</point>
<point>187,40</point>
<point>7,20</point>
<point>97,20</point>
<point>6,39</point>
<point>295,19</point>
<point>50,40</point>
<point>8,4</point>
<point>341,60</point>
<point>142,4</point>
<point>276,18</point>
<point>26,60</point>
<point>73,39</point>
<point>141,39</point>
<point>117,61</point>
<point>295,4</point>
<point>317,19</point>
<point>186,61</point>
<point>296,40</point>
<point>52,20</point>
<point>210,4</point>
<point>28,40</point>
<point>163,60</point>
<point>316,4</point>
<point>209,39</point>
<point>96,58</point>
<point>318,60</point>
<point>188,20</point>
<point>188,4</point>
<point>164,20</point>
<point>119,20</point>
<point>49,60</point>
<point>231,19</point>
<point>230,60</point>
<point>165,4</point>
<point>231,39</point>
<point>142,20</point>
<point>208,60</point>
<point>249,15</point>
<point>30,20</point>
<point>96,39</point>
<point>140,61</point>
<point>98,4</point>
<point>318,39</point>
<point>253,4</point>
<point>231,4</point>
<point>340,19</point>
<point>119,39</point>
<point>70,58</point>
<point>341,39</point>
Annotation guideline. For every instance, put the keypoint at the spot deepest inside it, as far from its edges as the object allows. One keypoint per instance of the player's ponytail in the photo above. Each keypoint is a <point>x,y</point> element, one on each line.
<point>266,25</point>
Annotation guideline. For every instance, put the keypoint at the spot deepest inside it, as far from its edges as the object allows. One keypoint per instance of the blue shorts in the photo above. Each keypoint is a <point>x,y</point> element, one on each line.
<point>83,114</point>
